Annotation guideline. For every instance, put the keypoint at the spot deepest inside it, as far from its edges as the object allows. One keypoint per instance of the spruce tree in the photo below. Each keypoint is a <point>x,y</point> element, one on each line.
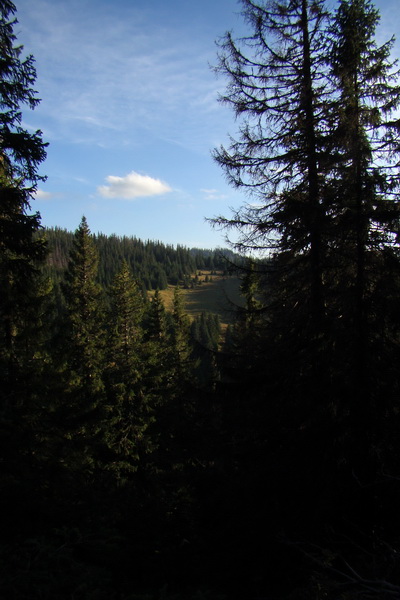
<point>366,262</point>
<point>159,346</point>
<point>84,310</point>
<point>276,88</point>
<point>160,354</point>
<point>80,407</point>
<point>365,200</point>
<point>173,363</point>
<point>22,251</point>
<point>22,290</point>
<point>156,320</point>
<point>180,336</point>
<point>282,158</point>
<point>317,401</point>
<point>129,406</point>
<point>317,153</point>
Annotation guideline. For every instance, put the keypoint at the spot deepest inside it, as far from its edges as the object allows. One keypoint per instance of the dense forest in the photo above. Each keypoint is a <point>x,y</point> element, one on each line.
<point>141,457</point>
<point>154,264</point>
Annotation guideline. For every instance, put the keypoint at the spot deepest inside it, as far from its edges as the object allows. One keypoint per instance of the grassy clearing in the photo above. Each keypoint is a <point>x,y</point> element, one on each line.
<point>218,296</point>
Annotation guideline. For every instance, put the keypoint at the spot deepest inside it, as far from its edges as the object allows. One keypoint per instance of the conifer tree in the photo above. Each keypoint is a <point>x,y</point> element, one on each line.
<point>318,151</point>
<point>159,347</point>
<point>160,356</point>
<point>25,364</point>
<point>173,363</point>
<point>81,404</point>
<point>365,201</point>
<point>129,406</point>
<point>365,260</point>
<point>21,152</point>
<point>126,316</point>
<point>157,320</point>
<point>180,335</point>
<point>84,311</point>
<point>22,290</point>
<point>276,87</point>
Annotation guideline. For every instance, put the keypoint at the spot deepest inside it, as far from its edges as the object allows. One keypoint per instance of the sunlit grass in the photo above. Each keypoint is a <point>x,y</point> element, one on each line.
<point>219,296</point>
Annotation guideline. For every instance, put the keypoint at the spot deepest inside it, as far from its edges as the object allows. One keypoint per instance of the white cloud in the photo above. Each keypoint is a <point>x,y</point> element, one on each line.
<point>41,195</point>
<point>132,186</point>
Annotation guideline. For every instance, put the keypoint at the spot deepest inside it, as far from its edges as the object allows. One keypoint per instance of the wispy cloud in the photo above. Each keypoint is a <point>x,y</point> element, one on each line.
<point>108,73</point>
<point>115,72</point>
<point>213,194</point>
<point>132,186</point>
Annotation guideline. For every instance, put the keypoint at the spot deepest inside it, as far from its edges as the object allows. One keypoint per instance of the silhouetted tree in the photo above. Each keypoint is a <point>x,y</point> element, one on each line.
<point>276,87</point>
<point>318,155</point>
<point>21,152</point>
<point>23,292</point>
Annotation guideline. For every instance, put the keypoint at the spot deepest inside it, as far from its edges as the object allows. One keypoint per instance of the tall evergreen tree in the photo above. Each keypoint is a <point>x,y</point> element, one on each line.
<point>130,411</point>
<point>81,403</point>
<point>180,335</point>
<point>365,202</point>
<point>21,152</point>
<point>157,320</point>
<point>276,87</point>
<point>366,262</point>
<point>84,311</point>
<point>159,347</point>
<point>22,290</point>
<point>318,151</point>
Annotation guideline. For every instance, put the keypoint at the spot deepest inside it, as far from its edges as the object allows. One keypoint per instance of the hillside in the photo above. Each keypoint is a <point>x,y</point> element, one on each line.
<point>206,277</point>
<point>154,264</point>
<point>215,293</point>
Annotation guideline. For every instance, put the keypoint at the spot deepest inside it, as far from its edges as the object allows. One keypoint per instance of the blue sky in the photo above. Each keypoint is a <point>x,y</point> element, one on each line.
<point>129,108</point>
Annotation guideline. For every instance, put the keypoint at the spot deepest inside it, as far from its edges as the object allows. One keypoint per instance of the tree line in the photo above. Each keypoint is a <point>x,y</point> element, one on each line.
<point>140,458</point>
<point>154,264</point>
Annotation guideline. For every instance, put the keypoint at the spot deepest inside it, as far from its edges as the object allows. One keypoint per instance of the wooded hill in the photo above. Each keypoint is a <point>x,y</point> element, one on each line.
<point>208,278</point>
<point>154,264</point>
